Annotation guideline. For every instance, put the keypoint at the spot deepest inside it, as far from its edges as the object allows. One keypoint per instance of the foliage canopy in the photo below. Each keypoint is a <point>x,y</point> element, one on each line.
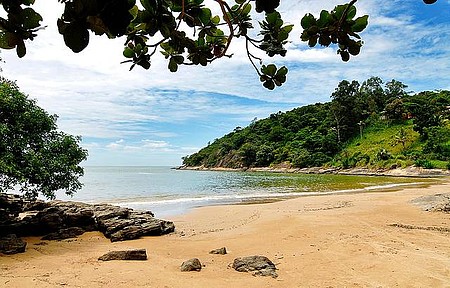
<point>319,134</point>
<point>34,155</point>
<point>165,25</point>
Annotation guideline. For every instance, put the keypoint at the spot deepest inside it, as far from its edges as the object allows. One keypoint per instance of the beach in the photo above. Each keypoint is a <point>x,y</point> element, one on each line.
<point>370,239</point>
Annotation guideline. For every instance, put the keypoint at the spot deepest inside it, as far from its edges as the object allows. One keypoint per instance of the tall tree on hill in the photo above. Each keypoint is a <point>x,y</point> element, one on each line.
<point>347,108</point>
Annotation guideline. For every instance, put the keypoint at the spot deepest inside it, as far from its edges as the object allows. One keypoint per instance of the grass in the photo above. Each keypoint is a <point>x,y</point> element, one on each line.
<point>380,147</point>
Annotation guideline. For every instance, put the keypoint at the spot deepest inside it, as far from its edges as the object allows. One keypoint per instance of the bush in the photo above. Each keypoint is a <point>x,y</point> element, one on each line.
<point>425,163</point>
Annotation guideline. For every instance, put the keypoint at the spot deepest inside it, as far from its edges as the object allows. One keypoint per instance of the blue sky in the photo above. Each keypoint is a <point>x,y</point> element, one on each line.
<point>154,117</point>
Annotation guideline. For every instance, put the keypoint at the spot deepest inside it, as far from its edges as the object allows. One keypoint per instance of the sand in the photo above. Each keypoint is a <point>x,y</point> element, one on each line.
<point>320,241</point>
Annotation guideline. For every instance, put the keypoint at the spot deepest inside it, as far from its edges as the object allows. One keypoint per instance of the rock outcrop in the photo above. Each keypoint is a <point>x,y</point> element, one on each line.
<point>67,219</point>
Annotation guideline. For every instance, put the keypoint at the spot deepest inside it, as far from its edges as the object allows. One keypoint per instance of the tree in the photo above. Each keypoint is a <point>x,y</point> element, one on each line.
<point>165,24</point>
<point>34,155</point>
<point>347,108</point>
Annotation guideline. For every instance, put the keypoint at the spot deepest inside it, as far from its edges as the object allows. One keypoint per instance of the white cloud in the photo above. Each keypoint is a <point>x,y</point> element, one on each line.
<point>98,98</point>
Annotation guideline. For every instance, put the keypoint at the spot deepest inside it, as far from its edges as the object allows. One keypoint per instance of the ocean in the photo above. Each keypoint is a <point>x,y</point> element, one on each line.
<point>169,192</point>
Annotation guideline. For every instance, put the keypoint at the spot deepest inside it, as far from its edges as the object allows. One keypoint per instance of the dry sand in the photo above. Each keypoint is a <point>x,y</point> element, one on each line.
<point>319,241</point>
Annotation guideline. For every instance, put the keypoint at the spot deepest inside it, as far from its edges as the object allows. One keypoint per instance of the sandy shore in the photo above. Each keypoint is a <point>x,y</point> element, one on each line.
<point>319,241</point>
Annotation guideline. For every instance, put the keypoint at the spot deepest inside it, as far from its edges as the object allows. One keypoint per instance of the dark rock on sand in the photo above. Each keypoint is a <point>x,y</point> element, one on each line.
<point>71,232</point>
<point>191,265</point>
<point>138,254</point>
<point>10,244</point>
<point>57,217</point>
<point>221,251</point>
<point>257,265</point>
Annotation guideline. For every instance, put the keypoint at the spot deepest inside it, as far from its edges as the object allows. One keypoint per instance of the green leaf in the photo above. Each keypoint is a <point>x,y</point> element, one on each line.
<point>324,19</point>
<point>345,56</point>
<point>282,71</point>
<point>147,5</point>
<point>128,52</point>
<point>273,17</point>
<point>134,11</point>
<point>246,9</point>
<point>5,40</point>
<point>339,10</point>
<point>240,1</point>
<point>31,18</point>
<point>351,12</point>
<point>28,2</point>
<point>21,49</point>
<point>178,59</point>
<point>205,16</point>
<point>307,21</point>
<point>173,66</point>
<point>313,41</point>
<point>76,37</point>
<point>354,47</point>
<point>215,20</point>
<point>360,23</point>
<point>270,69</point>
<point>269,84</point>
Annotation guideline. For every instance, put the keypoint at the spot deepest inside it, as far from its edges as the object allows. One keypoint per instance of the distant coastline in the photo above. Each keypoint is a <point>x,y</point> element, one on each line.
<point>411,171</point>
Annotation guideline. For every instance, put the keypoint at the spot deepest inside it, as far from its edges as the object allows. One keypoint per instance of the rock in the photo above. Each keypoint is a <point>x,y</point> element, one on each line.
<point>136,224</point>
<point>106,211</point>
<point>71,232</point>
<point>10,244</point>
<point>434,203</point>
<point>221,251</point>
<point>258,265</point>
<point>191,265</point>
<point>55,217</point>
<point>138,254</point>
<point>10,207</point>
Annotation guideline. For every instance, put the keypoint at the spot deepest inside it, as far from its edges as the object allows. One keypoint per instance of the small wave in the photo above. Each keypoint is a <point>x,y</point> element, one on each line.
<point>235,198</point>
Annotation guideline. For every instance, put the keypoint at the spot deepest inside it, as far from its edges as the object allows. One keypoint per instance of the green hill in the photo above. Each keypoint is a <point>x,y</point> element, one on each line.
<point>369,124</point>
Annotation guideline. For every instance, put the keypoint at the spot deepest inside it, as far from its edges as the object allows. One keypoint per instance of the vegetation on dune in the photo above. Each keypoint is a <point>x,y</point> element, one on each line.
<point>372,124</point>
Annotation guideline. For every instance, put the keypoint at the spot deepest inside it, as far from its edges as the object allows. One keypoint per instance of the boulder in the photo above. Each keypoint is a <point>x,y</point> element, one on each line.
<point>257,265</point>
<point>191,265</point>
<point>221,251</point>
<point>56,217</point>
<point>10,244</point>
<point>137,254</point>
<point>71,232</point>
<point>10,207</point>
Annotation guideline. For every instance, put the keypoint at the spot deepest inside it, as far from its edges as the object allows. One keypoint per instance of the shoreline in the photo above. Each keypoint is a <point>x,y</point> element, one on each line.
<point>411,171</point>
<point>372,239</point>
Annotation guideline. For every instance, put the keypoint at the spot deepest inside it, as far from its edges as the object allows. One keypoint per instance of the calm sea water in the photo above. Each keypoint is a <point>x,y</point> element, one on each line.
<point>169,192</point>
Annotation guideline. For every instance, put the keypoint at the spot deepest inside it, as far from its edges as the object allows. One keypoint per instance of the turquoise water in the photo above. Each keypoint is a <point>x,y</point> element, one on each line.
<point>169,192</point>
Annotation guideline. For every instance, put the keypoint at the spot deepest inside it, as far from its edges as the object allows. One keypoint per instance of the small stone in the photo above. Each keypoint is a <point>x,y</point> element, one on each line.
<point>221,251</point>
<point>191,265</point>
<point>138,254</point>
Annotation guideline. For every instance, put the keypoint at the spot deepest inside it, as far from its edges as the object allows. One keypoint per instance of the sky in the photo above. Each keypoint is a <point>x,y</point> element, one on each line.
<point>154,117</point>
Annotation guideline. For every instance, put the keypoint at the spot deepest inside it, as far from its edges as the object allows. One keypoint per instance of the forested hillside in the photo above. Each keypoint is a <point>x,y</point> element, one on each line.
<point>367,124</point>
